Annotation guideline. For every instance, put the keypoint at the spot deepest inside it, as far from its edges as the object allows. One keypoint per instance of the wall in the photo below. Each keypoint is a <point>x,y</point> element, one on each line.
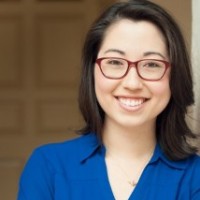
<point>196,59</point>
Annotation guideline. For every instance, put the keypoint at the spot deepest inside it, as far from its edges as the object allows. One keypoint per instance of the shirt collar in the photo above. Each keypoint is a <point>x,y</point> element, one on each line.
<point>159,155</point>
<point>91,144</point>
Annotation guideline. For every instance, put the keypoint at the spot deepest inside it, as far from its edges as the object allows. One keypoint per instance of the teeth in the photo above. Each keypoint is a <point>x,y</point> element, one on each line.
<point>131,102</point>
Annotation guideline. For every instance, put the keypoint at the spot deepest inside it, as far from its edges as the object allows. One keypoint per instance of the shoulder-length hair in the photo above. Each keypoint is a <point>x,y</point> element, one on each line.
<point>171,128</point>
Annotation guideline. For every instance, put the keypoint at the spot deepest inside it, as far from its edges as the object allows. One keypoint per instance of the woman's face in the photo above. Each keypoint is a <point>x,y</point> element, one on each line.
<point>131,101</point>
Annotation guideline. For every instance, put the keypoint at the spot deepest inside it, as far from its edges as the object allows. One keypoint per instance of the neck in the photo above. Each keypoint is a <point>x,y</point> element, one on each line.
<point>129,143</point>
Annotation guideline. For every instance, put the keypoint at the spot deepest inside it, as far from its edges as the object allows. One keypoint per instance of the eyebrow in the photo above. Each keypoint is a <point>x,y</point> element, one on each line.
<point>148,53</point>
<point>116,51</point>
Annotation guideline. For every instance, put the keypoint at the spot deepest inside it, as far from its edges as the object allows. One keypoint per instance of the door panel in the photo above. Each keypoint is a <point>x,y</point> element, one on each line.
<point>40,49</point>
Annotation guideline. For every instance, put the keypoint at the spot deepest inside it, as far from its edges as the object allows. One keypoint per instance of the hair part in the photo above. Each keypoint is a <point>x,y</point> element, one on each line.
<point>171,127</point>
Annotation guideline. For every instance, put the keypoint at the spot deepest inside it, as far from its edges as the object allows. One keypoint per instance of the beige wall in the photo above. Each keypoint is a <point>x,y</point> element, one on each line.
<point>181,10</point>
<point>196,60</point>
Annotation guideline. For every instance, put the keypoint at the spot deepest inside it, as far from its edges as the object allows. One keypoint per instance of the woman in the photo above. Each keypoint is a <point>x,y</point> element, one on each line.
<point>135,89</point>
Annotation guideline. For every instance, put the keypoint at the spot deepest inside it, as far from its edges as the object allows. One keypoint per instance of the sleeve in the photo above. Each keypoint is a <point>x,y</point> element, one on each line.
<point>196,182</point>
<point>37,179</point>
<point>196,195</point>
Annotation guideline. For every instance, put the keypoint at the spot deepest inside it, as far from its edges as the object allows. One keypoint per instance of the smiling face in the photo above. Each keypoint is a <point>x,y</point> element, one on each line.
<point>132,102</point>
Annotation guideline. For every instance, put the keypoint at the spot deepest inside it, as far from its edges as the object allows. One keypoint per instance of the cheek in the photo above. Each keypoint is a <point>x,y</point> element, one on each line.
<point>161,90</point>
<point>98,82</point>
<point>103,85</point>
<point>162,87</point>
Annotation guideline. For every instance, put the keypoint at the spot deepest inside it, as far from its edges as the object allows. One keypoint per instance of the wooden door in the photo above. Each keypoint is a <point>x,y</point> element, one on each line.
<point>40,45</point>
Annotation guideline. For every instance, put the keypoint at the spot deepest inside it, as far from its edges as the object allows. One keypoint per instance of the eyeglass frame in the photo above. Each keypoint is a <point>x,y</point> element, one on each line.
<point>132,64</point>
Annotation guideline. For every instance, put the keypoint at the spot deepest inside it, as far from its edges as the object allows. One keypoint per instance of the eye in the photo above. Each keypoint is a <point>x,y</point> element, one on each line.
<point>152,64</point>
<point>115,62</point>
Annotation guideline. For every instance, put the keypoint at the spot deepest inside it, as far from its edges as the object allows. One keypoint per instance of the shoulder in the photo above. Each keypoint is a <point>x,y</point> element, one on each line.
<point>70,144</point>
<point>194,176</point>
<point>59,157</point>
<point>47,163</point>
<point>194,162</point>
<point>191,165</point>
<point>187,173</point>
<point>70,149</point>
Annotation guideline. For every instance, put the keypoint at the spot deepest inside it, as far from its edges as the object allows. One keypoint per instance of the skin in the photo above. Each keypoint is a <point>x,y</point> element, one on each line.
<point>129,130</point>
<point>133,41</point>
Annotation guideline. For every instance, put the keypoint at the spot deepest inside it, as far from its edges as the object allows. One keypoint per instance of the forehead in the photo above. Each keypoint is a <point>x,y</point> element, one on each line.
<point>134,36</point>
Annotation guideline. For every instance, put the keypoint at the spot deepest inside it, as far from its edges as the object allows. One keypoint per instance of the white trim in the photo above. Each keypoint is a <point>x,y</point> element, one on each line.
<point>196,59</point>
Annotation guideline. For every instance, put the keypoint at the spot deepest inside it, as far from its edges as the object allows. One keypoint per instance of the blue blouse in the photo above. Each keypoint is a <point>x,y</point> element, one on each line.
<point>76,170</point>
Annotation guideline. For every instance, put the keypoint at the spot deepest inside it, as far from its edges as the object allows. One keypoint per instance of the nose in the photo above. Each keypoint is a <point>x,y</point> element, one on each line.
<point>132,80</point>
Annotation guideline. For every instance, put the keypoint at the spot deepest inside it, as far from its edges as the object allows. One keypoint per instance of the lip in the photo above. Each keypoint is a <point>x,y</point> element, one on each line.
<point>131,103</point>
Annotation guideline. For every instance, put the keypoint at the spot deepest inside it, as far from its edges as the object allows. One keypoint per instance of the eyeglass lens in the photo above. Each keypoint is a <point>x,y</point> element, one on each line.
<point>147,69</point>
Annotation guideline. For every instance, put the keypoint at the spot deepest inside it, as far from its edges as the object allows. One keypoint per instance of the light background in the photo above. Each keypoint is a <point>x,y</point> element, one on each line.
<point>196,60</point>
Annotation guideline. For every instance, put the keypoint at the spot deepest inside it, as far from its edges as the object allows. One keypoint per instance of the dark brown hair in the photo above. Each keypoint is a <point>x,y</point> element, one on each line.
<point>171,127</point>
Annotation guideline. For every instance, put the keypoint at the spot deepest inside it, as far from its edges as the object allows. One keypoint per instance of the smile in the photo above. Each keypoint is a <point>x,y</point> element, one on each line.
<point>131,102</point>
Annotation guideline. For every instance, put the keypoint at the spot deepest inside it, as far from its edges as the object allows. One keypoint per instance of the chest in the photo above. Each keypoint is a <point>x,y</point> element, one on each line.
<point>92,181</point>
